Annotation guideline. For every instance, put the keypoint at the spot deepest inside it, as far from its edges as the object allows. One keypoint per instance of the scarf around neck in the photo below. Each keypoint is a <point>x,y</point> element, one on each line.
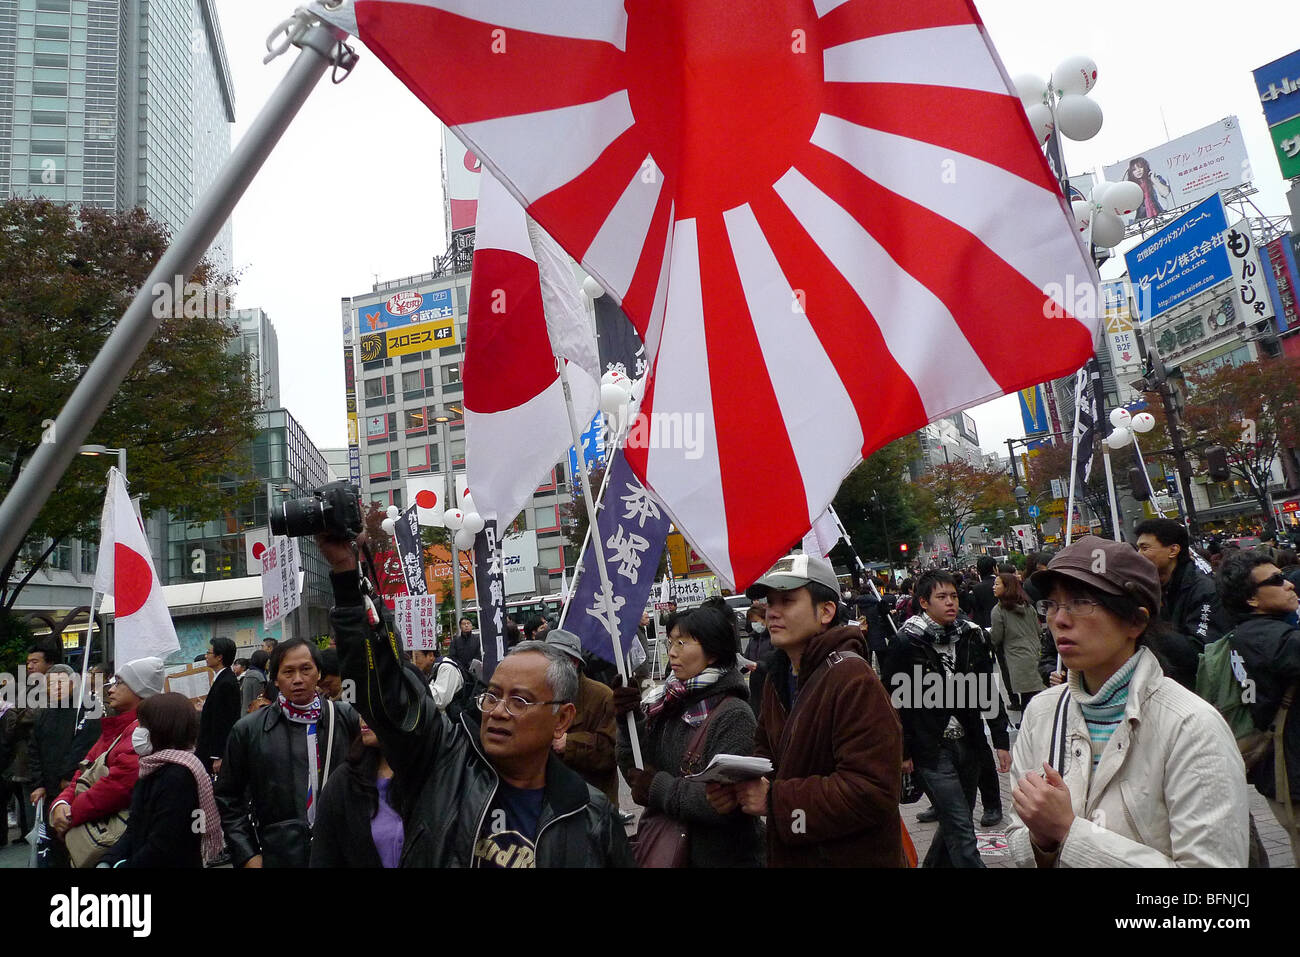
<point>213,842</point>
<point>674,690</point>
<point>308,715</point>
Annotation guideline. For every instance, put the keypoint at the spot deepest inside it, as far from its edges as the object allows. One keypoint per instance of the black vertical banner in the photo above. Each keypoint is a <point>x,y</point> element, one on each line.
<point>406,535</point>
<point>489,586</point>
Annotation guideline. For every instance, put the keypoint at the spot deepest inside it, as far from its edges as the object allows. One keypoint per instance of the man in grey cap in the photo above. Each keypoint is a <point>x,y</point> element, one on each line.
<point>588,747</point>
<point>828,726</point>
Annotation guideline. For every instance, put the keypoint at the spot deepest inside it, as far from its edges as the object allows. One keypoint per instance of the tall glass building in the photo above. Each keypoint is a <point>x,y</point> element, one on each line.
<point>116,104</point>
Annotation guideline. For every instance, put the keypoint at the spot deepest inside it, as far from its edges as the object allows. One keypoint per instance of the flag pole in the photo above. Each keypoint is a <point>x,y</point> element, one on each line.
<point>607,589</point>
<point>1110,491</point>
<point>1074,462</point>
<point>866,572</point>
<point>577,566</point>
<point>85,655</point>
<point>41,473</point>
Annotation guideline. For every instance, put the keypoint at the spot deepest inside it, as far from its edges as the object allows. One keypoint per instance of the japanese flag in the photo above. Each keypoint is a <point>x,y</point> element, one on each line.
<point>142,625</point>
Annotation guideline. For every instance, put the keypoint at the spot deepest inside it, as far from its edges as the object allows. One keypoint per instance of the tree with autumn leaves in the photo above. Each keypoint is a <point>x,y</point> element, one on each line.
<point>954,496</point>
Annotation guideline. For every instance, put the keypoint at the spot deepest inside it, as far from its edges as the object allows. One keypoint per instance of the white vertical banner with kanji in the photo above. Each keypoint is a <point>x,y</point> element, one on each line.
<point>1249,288</point>
<point>280,566</point>
<point>416,617</point>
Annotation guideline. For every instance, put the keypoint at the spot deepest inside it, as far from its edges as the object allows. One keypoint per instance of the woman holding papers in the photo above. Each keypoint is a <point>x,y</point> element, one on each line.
<point>701,711</point>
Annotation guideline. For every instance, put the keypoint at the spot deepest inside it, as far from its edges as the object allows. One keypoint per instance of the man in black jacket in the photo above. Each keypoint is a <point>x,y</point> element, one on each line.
<point>1188,600</point>
<point>465,647</point>
<point>936,666</point>
<point>61,736</point>
<point>491,794</point>
<point>278,759</point>
<point>220,707</point>
<point>1255,591</point>
<point>982,597</point>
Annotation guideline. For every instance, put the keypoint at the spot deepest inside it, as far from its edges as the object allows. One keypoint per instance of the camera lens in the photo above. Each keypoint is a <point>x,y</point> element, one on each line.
<point>299,516</point>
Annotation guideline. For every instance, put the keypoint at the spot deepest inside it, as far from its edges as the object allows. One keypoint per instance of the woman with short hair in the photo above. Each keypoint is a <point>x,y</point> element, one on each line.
<point>1014,634</point>
<point>1120,766</point>
<point>359,820</point>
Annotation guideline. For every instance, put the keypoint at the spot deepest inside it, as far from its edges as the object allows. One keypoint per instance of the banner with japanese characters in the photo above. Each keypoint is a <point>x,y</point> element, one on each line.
<point>280,594</point>
<point>632,527</point>
<point>489,584</point>
<point>406,535</point>
<point>1249,288</point>
<point>416,618</point>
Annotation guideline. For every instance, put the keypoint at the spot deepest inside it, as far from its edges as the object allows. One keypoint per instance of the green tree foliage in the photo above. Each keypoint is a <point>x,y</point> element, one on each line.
<point>186,411</point>
<point>956,495</point>
<point>876,504</point>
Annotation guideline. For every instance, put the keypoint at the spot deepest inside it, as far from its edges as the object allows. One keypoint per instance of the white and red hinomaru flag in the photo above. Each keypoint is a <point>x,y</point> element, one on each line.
<point>516,423</point>
<point>829,221</point>
<point>142,626</point>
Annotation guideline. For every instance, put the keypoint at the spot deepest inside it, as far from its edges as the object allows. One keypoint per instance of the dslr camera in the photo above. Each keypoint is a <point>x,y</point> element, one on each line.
<point>333,510</point>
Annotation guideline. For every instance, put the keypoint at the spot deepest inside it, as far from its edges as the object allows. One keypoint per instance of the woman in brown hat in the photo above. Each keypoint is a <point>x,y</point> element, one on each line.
<point>1120,766</point>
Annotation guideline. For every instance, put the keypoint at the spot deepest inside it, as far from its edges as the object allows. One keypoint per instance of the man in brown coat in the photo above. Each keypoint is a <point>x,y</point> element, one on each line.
<point>588,746</point>
<point>828,726</point>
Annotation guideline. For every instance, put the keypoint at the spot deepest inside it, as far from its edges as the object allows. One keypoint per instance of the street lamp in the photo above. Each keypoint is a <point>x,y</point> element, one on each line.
<point>104,450</point>
<point>442,418</point>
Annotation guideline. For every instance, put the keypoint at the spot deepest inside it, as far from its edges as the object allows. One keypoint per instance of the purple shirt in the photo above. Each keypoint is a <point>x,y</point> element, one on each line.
<point>386,828</point>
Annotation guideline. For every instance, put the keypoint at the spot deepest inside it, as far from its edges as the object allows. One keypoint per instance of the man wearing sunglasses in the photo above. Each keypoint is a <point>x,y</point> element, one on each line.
<point>1266,649</point>
<point>487,790</point>
<point>1188,602</point>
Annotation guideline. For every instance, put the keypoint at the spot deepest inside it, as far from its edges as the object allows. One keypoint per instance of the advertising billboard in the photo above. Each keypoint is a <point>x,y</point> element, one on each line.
<point>405,309</point>
<point>1286,144</point>
<point>1033,410</point>
<point>463,172</point>
<point>1278,84</point>
<point>1186,170</point>
<point>406,340</point>
<point>1184,258</point>
<point>1119,329</point>
<point>518,559</point>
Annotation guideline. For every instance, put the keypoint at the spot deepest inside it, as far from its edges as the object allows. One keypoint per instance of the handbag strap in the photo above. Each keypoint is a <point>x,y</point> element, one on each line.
<point>1056,750</point>
<point>102,759</point>
<point>329,744</point>
<point>696,744</point>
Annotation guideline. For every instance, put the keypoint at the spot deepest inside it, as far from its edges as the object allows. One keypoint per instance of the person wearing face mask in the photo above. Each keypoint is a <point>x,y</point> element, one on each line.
<point>112,763</point>
<point>174,820</point>
<point>759,650</point>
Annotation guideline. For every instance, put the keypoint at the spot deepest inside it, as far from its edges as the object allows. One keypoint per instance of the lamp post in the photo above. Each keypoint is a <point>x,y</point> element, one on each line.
<point>889,554</point>
<point>444,434</point>
<point>121,467</point>
<point>104,450</point>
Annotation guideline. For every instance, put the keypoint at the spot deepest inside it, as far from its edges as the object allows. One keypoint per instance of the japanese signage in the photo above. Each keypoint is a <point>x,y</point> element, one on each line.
<point>405,309</point>
<point>632,527</point>
<point>692,591</point>
<point>1279,88</point>
<point>421,337</point>
<point>1186,170</point>
<point>416,618</point>
<point>1281,278</point>
<point>492,590</point>
<point>1183,259</point>
<point>1249,288</point>
<point>1119,327</point>
<point>280,593</point>
<point>1286,143</point>
<point>1190,329</point>
<point>350,394</point>
<point>406,535</point>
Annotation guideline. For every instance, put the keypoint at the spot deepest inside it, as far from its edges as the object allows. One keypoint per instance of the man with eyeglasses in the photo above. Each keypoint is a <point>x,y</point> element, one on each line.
<point>1188,602</point>
<point>489,792</point>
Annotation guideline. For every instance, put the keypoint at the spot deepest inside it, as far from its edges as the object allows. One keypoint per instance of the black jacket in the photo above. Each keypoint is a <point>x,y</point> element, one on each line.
<point>257,770</point>
<point>760,651</point>
<point>1270,651</point>
<point>57,747</point>
<point>465,649</point>
<point>341,837</point>
<point>451,781</point>
<point>220,712</point>
<point>160,831</point>
<point>923,726</point>
<point>982,602</point>
<point>1189,603</point>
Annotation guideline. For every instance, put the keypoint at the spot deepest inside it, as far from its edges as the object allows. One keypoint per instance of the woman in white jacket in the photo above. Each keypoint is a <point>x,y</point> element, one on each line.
<point>1120,766</point>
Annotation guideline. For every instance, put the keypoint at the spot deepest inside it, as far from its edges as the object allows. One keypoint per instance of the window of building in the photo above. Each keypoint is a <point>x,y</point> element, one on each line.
<point>417,458</point>
<point>549,557</point>
<point>378,463</point>
<point>54,6</point>
<point>395,497</point>
<point>413,380</point>
<point>451,373</point>
<point>48,148</point>
<point>374,388</point>
<point>457,452</point>
<point>544,517</point>
<point>51,32</point>
<point>416,421</point>
<point>49,175</point>
<point>46,88</point>
<point>49,118</point>
<point>376,426</point>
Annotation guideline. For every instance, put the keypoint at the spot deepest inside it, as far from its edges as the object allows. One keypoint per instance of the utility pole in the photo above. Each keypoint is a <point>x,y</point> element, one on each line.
<point>1155,378</point>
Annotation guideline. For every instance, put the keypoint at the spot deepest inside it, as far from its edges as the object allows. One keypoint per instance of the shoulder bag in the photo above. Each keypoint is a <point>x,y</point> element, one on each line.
<point>663,841</point>
<point>88,842</point>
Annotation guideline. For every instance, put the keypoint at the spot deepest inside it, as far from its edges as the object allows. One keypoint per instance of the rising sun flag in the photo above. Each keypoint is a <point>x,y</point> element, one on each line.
<point>828,220</point>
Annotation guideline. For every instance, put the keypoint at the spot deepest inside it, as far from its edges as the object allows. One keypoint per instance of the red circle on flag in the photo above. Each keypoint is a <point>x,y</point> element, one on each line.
<point>258,550</point>
<point>426,498</point>
<point>132,580</point>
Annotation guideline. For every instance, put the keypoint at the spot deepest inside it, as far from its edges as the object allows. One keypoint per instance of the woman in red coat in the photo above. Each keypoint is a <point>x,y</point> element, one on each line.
<point>134,681</point>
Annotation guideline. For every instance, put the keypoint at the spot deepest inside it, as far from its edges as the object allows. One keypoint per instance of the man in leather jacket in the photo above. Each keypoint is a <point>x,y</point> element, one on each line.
<point>484,793</point>
<point>269,764</point>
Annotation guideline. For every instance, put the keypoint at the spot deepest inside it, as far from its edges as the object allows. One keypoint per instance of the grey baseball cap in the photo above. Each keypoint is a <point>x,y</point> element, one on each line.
<point>795,571</point>
<point>566,641</point>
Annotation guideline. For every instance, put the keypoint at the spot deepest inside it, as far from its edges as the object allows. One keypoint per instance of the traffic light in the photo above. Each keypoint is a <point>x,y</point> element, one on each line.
<point>1216,459</point>
<point>1138,482</point>
<point>903,548</point>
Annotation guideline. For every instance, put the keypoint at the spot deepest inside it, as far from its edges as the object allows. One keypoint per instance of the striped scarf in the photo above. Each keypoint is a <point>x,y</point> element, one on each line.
<point>674,690</point>
<point>1105,710</point>
<point>310,716</point>
<point>213,842</point>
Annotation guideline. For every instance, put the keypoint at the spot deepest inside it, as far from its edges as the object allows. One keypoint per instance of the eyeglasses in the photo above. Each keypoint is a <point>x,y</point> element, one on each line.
<point>1276,581</point>
<point>516,706</point>
<point>1075,606</point>
<point>681,643</point>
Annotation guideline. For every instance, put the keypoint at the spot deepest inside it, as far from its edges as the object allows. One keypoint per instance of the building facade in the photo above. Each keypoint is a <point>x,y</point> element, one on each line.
<point>257,339</point>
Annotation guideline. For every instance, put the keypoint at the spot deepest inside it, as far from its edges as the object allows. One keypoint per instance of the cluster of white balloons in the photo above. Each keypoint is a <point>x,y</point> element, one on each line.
<point>1062,102</point>
<point>465,521</point>
<point>1126,424</point>
<point>616,392</point>
<point>1104,209</point>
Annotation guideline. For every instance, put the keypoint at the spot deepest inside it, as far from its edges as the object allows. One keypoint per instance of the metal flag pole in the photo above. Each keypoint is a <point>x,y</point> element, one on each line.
<point>866,572</point>
<point>577,566</point>
<point>607,588</point>
<point>1110,490</point>
<point>1074,462</point>
<point>321,46</point>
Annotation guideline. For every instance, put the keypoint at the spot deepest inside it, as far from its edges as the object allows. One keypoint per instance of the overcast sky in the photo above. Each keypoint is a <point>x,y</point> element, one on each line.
<point>354,192</point>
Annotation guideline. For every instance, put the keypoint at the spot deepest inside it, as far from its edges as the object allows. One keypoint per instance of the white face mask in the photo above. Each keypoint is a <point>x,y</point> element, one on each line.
<point>758,626</point>
<point>140,741</point>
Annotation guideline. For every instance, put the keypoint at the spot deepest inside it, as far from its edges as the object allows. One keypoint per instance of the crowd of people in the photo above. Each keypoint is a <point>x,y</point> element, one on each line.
<point>1147,689</point>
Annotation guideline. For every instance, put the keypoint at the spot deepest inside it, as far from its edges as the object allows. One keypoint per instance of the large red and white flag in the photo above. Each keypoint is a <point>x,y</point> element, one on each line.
<point>142,626</point>
<point>524,310</point>
<point>829,221</point>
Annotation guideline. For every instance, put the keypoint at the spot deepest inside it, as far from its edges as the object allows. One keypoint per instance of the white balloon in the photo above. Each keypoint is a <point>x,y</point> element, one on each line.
<point>1078,116</point>
<point>1122,199</point>
<point>473,523</point>
<point>1040,121</point>
<point>1119,438</point>
<point>1076,74</point>
<point>1107,229</point>
<point>1100,192</point>
<point>1144,422</point>
<point>389,526</point>
<point>1082,214</point>
<point>453,518</point>
<point>592,288</point>
<point>612,377</point>
<point>1031,88</point>
<point>464,540</point>
<point>1120,418</point>
<point>612,399</point>
<point>393,511</point>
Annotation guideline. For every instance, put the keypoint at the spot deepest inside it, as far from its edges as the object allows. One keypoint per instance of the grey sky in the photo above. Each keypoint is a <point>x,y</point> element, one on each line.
<point>354,189</point>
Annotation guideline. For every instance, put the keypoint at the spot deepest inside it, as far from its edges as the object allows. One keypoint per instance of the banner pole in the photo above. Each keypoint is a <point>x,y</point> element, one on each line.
<point>119,353</point>
<point>607,589</point>
<point>1074,463</point>
<point>1110,491</point>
